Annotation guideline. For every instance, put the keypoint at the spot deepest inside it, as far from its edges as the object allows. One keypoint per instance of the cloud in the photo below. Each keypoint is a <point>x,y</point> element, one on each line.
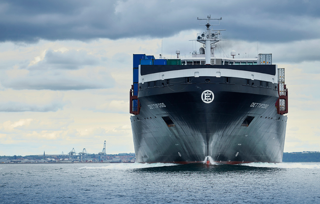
<point>88,46</point>
<point>9,126</point>
<point>46,135</point>
<point>68,70</point>
<point>34,124</point>
<point>95,78</point>
<point>99,132</point>
<point>112,106</point>
<point>21,107</point>
<point>5,139</point>
<point>30,101</point>
<point>56,60</point>
<point>2,136</point>
<point>282,52</point>
<point>273,21</point>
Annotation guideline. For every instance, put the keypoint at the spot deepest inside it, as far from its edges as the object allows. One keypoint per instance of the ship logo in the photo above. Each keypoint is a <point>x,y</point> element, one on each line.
<point>207,96</point>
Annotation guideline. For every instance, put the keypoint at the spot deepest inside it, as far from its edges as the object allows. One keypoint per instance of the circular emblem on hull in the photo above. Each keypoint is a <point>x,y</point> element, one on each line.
<point>207,96</point>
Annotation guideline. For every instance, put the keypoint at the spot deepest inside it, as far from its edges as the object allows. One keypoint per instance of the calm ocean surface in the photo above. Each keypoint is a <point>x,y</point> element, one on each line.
<point>159,183</point>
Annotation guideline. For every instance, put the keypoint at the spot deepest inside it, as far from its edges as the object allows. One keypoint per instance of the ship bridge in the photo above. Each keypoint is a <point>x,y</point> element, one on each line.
<point>258,72</point>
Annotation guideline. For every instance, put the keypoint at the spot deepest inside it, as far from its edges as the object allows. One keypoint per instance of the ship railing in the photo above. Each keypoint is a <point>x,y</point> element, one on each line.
<point>282,93</point>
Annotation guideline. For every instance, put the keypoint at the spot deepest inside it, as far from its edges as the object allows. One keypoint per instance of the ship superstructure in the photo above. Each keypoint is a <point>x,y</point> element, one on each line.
<point>229,109</point>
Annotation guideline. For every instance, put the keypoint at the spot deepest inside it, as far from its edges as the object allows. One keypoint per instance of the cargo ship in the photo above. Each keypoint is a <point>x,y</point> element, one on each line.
<point>228,110</point>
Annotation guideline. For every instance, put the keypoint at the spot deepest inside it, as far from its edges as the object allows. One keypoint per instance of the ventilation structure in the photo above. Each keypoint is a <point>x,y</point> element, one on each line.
<point>247,121</point>
<point>168,121</point>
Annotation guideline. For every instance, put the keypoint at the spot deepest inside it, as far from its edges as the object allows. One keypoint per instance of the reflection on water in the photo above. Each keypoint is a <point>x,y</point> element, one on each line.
<point>203,168</point>
<point>213,167</point>
<point>160,183</point>
<point>287,165</point>
<point>127,166</point>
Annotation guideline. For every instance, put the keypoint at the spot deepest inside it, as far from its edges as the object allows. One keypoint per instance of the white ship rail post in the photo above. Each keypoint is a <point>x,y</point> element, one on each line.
<point>209,38</point>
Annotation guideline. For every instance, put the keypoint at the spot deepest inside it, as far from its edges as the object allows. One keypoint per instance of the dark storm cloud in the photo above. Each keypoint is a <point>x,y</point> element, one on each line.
<point>268,21</point>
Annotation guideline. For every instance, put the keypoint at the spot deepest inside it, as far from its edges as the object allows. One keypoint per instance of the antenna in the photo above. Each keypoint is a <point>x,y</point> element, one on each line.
<point>208,19</point>
<point>233,53</point>
<point>161,49</point>
<point>178,53</point>
<point>209,38</point>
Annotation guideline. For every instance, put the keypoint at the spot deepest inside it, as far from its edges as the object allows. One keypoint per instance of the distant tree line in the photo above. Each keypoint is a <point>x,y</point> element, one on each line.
<point>301,157</point>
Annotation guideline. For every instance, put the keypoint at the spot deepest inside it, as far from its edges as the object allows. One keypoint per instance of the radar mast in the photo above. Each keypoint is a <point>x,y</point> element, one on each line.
<point>209,38</point>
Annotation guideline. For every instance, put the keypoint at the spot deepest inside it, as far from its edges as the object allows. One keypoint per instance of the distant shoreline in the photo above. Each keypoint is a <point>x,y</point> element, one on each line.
<point>291,157</point>
<point>119,163</point>
<point>301,157</point>
<point>71,163</point>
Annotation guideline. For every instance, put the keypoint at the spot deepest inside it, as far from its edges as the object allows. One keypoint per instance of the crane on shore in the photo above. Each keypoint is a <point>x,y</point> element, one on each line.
<point>83,154</point>
<point>103,152</point>
<point>72,153</point>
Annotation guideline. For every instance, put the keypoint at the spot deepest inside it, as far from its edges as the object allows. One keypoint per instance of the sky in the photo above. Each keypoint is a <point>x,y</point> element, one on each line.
<point>66,66</point>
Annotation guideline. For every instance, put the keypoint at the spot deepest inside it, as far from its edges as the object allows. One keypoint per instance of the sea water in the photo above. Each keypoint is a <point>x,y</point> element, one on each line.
<point>160,183</point>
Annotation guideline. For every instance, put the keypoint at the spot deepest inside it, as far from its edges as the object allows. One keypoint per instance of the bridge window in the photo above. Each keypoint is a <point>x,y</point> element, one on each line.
<point>243,63</point>
<point>236,63</point>
<point>250,63</point>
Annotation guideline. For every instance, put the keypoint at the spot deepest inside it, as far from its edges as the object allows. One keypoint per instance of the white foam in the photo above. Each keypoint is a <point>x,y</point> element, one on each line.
<point>212,162</point>
<point>285,165</point>
<point>127,166</point>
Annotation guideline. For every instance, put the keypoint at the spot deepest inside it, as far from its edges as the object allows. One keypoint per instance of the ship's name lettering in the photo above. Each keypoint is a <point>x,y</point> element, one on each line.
<point>259,105</point>
<point>157,105</point>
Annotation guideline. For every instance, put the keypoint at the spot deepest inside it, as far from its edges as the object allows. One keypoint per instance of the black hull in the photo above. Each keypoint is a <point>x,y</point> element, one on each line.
<point>215,129</point>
